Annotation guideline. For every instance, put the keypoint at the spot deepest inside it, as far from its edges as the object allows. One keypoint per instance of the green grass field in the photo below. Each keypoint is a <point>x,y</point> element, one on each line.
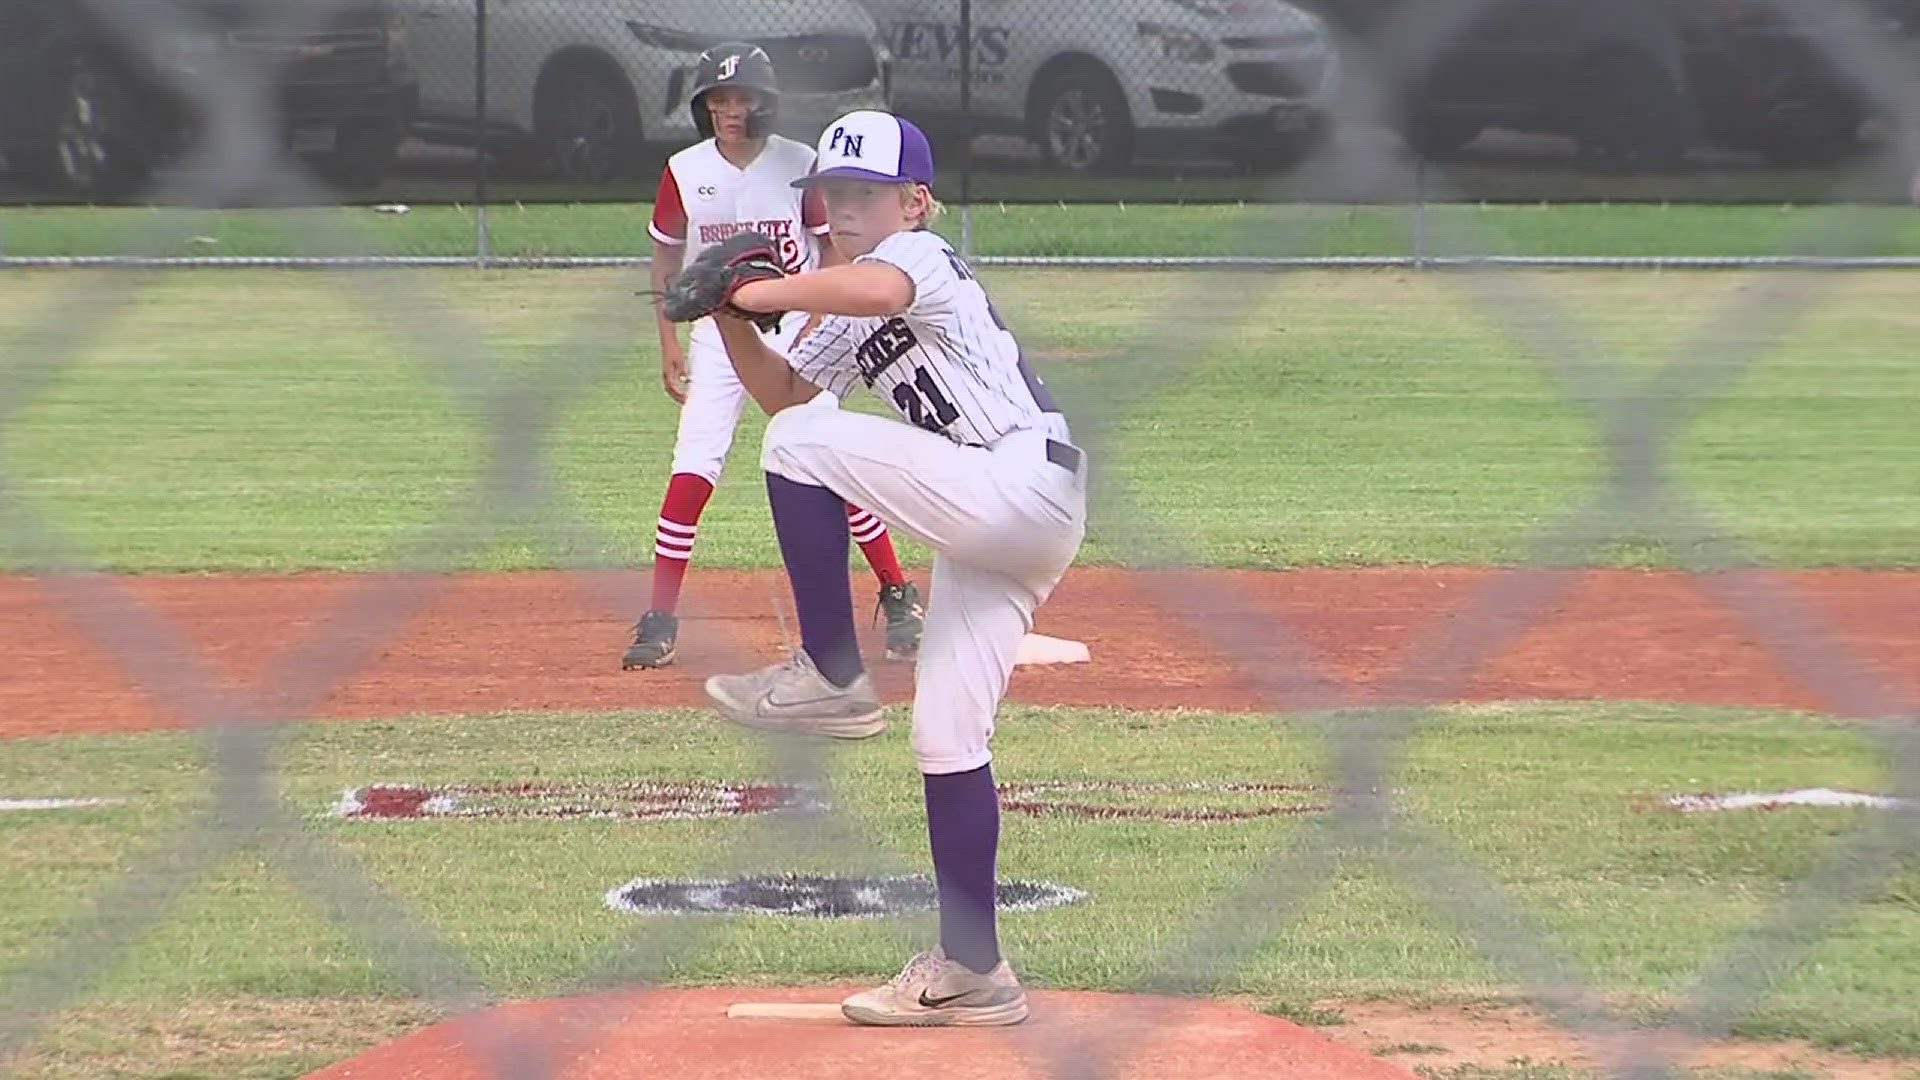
<point>277,420</point>
<point>543,230</point>
<point>1556,803</point>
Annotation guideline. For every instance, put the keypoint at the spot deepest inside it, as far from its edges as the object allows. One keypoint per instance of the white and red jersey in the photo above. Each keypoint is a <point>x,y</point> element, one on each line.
<point>704,198</point>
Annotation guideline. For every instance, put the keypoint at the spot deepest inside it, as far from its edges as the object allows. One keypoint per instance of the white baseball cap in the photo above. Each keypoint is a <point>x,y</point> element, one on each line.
<point>871,145</point>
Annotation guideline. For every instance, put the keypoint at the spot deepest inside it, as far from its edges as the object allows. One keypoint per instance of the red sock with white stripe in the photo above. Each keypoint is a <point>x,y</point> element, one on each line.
<point>876,543</point>
<point>687,496</point>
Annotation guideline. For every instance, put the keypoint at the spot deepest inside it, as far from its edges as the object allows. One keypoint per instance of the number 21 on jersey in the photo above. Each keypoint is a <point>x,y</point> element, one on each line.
<point>921,398</point>
<point>923,403</point>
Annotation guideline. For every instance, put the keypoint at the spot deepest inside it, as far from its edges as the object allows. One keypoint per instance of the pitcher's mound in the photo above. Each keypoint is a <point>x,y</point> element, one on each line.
<point>686,1035</point>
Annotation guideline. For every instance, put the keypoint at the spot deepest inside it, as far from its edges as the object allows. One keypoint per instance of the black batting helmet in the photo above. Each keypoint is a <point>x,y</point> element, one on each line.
<point>736,63</point>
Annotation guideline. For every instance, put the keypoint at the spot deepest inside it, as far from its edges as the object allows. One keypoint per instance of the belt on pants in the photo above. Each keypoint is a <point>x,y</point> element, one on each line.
<point>1063,455</point>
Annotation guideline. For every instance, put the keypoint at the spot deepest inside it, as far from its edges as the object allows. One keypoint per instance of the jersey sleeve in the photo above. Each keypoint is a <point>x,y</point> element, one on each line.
<point>669,224</point>
<point>825,357</point>
<point>926,259</point>
<point>813,212</point>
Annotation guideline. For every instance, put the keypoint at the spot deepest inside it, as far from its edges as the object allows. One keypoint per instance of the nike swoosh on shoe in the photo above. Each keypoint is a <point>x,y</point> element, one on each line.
<point>996,996</point>
<point>767,700</point>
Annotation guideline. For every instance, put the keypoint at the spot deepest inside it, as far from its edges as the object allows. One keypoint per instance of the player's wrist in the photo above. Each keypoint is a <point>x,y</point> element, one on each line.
<point>756,296</point>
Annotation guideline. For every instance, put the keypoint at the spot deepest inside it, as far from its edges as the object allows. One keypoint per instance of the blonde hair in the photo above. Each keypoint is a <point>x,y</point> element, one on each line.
<point>934,209</point>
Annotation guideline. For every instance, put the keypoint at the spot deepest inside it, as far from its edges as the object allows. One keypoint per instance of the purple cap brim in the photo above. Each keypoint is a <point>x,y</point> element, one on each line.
<point>848,172</point>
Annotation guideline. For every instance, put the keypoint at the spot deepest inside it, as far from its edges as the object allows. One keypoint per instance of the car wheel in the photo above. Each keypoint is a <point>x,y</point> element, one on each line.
<point>1081,121</point>
<point>589,125</point>
<point>1629,116</point>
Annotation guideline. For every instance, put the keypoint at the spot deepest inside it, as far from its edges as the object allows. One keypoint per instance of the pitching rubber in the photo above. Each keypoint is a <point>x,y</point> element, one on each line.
<point>785,1010</point>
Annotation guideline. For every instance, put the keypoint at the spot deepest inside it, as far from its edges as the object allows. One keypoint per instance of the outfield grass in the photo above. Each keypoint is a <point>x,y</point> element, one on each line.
<point>268,421</point>
<point>1557,803</point>
<point>1122,229</point>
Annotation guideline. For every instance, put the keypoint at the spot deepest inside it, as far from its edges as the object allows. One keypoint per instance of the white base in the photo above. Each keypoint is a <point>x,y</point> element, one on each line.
<point>1040,649</point>
<point>1803,797</point>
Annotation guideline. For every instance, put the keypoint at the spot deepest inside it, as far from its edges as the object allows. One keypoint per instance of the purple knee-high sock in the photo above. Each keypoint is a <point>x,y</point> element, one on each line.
<point>963,825</point>
<point>811,523</point>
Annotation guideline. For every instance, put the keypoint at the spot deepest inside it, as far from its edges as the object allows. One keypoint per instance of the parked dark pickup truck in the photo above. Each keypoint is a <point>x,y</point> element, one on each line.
<point>91,104</point>
<point>1635,83</point>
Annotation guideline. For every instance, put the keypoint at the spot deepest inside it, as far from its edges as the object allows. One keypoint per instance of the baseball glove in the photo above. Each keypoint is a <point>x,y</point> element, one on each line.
<point>706,286</point>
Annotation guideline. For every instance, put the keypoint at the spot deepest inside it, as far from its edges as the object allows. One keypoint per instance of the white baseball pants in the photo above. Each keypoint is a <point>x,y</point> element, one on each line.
<point>1005,521</point>
<point>715,397</point>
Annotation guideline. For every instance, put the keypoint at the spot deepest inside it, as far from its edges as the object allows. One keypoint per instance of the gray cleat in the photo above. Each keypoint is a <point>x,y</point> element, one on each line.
<point>794,697</point>
<point>933,991</point>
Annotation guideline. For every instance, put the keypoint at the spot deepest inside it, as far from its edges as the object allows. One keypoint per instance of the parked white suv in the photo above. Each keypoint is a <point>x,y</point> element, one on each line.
<point>585,87</point>
<point>1091,84</point>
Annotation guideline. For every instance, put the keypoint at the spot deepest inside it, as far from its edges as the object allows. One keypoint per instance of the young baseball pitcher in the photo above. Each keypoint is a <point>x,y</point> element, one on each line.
<point>738,178</point>
<point>983,469</point>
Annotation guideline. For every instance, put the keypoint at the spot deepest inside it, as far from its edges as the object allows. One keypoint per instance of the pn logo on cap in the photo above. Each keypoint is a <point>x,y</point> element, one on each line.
<point>872,146</point>
<point>844,144</point>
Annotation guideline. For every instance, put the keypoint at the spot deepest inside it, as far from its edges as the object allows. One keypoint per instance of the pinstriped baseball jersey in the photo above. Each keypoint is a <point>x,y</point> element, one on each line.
<point>947,364</point>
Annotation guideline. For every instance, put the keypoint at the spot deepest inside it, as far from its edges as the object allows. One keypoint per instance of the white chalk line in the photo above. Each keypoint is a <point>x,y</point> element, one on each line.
<point>56,804</point>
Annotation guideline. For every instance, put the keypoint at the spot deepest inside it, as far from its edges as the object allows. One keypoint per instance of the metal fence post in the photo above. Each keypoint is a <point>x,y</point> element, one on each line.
<point>482,246</point>
<point>1420,212</point>
<point>966,128</point>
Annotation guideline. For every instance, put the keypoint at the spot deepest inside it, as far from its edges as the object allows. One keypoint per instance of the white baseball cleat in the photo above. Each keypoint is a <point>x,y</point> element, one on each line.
<point>794,697</point>
<point>933,991</point>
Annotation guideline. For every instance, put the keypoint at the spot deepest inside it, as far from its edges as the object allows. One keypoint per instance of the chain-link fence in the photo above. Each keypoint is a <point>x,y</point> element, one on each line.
<point>469,101</point>
<point>583,90</point>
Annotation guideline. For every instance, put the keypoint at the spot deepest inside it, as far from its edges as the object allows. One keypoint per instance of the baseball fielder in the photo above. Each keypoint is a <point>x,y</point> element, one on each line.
<point>983,469</point>
<point>738,178</point>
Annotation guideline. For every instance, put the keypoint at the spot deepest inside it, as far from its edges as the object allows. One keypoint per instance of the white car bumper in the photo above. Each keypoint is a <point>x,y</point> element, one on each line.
<point>1245,93</point>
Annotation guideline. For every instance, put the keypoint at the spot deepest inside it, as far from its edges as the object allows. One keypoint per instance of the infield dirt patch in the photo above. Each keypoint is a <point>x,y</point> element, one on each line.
<point>486,643</point>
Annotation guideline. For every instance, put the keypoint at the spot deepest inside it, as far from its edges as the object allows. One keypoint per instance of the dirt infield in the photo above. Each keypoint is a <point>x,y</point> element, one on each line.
<point>483,643</point>
<point>685,1035</point>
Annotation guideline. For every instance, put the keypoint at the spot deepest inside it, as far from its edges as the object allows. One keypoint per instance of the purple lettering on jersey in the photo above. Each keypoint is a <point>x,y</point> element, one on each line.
<point>1042,396</point>
<point>923,402</point>
<point>892,341</point>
